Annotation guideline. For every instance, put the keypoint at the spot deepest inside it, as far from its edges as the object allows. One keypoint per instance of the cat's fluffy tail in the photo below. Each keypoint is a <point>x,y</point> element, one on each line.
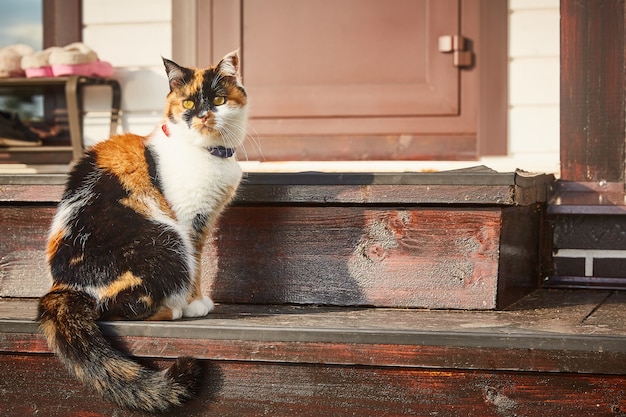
<point>67,319</point>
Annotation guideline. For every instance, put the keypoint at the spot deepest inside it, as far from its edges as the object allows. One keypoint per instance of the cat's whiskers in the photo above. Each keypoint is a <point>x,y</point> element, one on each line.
<point>254,139</point>
<point>232,132</point>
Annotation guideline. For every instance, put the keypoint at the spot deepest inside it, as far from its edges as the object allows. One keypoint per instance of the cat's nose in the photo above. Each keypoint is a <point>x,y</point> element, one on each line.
<point>207,120</point>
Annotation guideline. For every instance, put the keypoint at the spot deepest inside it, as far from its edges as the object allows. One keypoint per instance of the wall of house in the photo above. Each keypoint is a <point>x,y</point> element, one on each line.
<point>132,35</point>
<point>534,37</point>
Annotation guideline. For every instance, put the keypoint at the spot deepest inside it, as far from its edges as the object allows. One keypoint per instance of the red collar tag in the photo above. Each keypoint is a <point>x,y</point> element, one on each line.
<point>165,130</point>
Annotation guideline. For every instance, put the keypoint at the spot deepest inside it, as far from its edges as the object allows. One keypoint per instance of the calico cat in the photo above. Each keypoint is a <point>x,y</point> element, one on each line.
<point>128,234</point>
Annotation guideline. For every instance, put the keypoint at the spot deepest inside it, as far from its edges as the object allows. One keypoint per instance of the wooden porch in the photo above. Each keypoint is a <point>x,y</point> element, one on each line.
<point>348,294</point>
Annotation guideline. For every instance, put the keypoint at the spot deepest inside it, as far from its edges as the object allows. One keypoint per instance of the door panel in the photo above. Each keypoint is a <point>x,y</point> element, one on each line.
<point>359,79</point>
<point>338,58</point>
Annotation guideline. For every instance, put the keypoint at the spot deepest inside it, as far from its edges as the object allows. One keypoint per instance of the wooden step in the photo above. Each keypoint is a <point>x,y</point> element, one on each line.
<point>556,353</point>
<point>459,239</point>
<point>588,223</point>
<point>310,271</point>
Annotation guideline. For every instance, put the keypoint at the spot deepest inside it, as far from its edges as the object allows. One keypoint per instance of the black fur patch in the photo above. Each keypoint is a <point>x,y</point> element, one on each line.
<point>152,170</point>
<point>79,172</point>
<point>114,239</point>
<point>199,222</point>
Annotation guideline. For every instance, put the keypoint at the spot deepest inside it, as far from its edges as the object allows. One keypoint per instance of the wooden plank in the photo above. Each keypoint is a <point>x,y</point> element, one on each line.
<point>32,193</point>
<point>317,194</point>
<point>23,268</point>
<point>317,255</point>
<point>545,320</point>
<point>476,175</point>
<point>519,254</point>
<point>550,331</point>
<point>588,198</point>
<point>358,256</point>
<point>592,90</point>
<point>609,313</point>
<point>478,185</point>
<point>493,102</point>
<point>39,385</point>
<point>377,194</point>
<point>558,313</point>
<point>601,356</point>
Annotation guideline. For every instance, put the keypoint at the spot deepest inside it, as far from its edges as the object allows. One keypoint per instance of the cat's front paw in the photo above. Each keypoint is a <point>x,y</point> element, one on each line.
<point>198,308</point>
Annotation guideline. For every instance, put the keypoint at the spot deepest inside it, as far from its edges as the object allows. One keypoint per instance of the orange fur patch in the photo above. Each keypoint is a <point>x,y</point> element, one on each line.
<point>126,281</point>
<point>163,314</point>
<point>140,205</point>
<point>237,96</point>
<point>122,369</point>
<point>59,287</point>
<point>124,157</point>
<point>196,83</point>
<point>75,261</point>
<point>147,300</point>
<point>79,371</point>
<point>53,243</point>
<point>50,332</point>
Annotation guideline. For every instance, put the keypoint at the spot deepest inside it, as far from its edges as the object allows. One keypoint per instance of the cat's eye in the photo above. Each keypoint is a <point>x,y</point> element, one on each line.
<point>219,100</point>
<point>189,104</point>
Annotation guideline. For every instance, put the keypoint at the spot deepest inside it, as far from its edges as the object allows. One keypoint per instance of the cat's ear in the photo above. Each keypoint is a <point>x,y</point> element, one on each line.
<point>175,73</point>
<point>229,65</point>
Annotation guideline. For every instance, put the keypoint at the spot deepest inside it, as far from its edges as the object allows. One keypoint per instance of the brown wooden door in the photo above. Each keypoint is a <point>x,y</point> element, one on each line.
<point>349,58</point>
<point>360,79</point>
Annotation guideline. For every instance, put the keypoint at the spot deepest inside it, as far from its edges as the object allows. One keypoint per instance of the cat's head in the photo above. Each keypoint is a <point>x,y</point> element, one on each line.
<point>207,107</point>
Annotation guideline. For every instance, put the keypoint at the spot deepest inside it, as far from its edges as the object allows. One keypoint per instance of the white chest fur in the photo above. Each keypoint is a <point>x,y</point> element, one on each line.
<point>194,181</point>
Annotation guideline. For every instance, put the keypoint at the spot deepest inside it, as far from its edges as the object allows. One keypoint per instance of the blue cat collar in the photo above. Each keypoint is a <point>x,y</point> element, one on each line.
<point>221,151</point>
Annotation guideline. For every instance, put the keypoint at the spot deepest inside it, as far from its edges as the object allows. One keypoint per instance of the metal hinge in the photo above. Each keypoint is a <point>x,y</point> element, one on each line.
<point>458,46</point>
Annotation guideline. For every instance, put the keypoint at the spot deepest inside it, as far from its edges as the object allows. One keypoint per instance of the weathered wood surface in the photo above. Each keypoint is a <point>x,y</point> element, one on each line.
<point>592,90</point>
<point>553,353</point>
<point>478,185</point>
<point>39,386</point>
<point>338,239</point>
<point>23,269</point>
<point>330,255</point>
<point>357,256</point>
<point>549,331</point>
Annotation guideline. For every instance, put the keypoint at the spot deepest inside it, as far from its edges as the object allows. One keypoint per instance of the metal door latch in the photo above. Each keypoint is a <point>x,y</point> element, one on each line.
<point>458,46</point>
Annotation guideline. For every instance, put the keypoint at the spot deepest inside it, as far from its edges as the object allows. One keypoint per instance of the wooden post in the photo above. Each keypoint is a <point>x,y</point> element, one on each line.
<point>62,22</point>
<point>592,91</point>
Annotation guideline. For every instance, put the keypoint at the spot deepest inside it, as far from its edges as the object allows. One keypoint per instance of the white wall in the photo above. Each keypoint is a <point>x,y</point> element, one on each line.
<point>534,83</point>
<point>132,35</point>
